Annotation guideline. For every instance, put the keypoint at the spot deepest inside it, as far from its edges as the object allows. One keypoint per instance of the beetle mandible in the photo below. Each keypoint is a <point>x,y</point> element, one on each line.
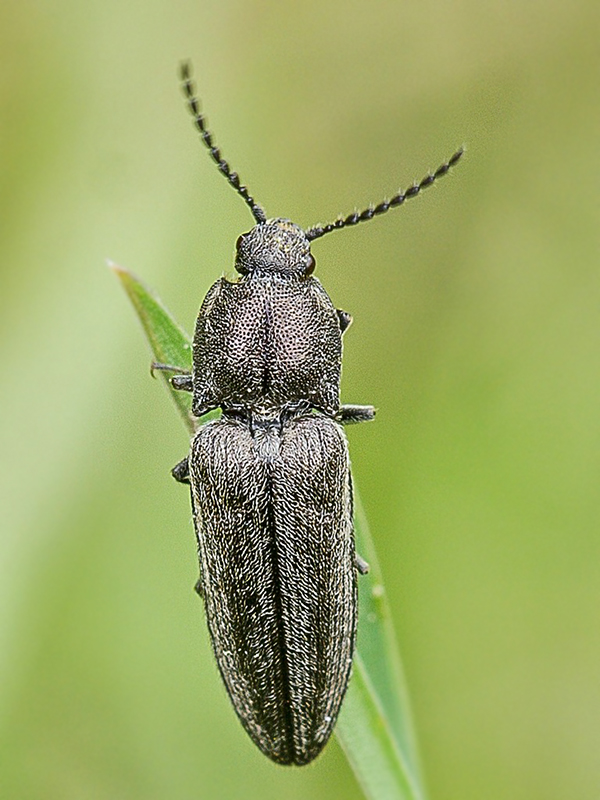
<point>270,481</point>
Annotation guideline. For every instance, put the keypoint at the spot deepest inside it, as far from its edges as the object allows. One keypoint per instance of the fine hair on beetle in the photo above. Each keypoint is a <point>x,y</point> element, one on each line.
<point>270,481</point>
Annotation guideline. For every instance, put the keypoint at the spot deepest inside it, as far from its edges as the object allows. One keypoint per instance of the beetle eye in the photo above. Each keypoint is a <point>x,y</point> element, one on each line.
<point>240,239</point>
<point>310,265</point>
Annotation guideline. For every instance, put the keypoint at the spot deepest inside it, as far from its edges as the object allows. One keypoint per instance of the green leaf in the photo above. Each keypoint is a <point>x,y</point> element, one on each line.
<point>168,341</point>
<point>375,726</point>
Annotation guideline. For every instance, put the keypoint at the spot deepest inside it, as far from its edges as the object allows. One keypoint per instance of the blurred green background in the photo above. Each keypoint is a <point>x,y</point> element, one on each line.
<point>476,335</point>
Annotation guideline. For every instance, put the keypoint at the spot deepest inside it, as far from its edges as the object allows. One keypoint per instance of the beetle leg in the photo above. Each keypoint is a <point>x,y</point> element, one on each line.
<point>183,382</point>
<point>158,365</point>
<point>182,379</point>
<point>344,318</point>
<point>351,414</point>
<point>361,565</point>
<point>181,471</point>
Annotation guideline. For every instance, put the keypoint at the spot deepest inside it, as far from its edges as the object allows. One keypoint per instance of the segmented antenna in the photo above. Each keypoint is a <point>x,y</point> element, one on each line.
<point>362,216</point>
<point>206,136</point>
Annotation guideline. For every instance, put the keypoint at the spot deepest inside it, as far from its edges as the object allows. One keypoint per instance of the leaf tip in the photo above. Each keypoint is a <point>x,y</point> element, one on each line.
<point>122,273</point>
<point>130,282</point>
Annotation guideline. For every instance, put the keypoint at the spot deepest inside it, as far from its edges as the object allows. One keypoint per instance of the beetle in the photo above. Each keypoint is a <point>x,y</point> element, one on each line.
<point>270,481</point>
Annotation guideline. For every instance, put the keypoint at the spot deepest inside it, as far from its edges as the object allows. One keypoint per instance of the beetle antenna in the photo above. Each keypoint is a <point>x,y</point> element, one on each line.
<point>362,216</point>
<point>207,138</point>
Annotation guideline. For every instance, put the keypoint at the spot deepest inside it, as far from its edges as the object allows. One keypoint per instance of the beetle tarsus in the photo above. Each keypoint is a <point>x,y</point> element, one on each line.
<point>181,379</point>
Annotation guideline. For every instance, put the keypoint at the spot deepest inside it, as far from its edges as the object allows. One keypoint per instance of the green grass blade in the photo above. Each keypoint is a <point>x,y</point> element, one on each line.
<point>375,726</point>
<point>168,341</point>
<point>369,742</point>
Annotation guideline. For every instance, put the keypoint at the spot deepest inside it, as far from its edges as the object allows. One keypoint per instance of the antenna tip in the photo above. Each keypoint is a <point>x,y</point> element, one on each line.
<point>185,69</point>
<point>458,155</point>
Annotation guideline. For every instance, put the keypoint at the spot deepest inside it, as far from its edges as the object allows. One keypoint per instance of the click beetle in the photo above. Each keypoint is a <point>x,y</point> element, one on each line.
<point>270,481</point>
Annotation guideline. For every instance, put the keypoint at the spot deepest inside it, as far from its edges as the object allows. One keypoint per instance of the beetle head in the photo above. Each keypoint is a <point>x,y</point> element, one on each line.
<point>276,246</point>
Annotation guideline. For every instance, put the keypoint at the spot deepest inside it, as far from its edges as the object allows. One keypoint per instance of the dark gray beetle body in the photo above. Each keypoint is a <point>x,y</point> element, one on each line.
<point>270,479</point>
<point>273,339</point>
<point>272,497</point>
<point>273,517</point>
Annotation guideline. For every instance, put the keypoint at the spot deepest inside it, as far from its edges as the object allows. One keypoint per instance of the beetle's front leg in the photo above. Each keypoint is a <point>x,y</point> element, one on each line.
<point>182,379</point>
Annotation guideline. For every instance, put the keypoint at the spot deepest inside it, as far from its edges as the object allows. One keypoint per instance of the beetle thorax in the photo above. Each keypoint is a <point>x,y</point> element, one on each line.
<point>276,246</point>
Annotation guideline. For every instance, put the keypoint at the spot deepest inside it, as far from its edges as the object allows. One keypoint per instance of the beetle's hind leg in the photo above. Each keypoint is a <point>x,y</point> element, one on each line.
<point>181,471</point>
<point>182,379</point>
<point>361,565</point>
